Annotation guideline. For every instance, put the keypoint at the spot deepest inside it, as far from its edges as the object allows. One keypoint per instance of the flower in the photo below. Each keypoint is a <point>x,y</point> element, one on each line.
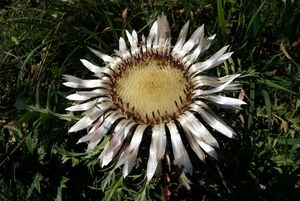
<point>155,90</point>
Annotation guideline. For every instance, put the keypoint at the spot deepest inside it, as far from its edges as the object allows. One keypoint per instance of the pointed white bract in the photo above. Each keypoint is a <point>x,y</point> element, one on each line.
<point>181,39</point>
<point>119,135</point>
<point>181,157</point>
<point>128,156</point>
<point>157,148</point>
<point>103,116</point>
<point>151,37</point>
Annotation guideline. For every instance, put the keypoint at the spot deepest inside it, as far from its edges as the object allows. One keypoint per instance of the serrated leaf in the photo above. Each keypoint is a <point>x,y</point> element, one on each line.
<point>114,191</point>
<point>31,143</point>
<point>107,180</point>
<point>35,184</point>
<point>142,195</point>
<point>59,189</point>
<point>41,152</point>
<point>75,162</point>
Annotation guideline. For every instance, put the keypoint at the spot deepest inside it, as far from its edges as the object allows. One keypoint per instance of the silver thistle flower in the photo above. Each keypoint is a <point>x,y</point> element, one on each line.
<point>153,87</point>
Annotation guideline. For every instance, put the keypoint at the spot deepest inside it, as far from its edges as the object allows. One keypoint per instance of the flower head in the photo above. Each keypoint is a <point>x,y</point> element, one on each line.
<point>157,90</point>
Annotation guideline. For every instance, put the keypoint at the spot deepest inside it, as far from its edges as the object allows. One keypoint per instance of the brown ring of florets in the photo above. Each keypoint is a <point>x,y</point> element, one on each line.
<point>157,116</point>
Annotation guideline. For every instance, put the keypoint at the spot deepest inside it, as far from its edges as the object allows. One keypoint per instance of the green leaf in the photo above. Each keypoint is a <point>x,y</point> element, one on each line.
<point>108,179</point>
<point>251,107</point>
<point>275,85</point>
<point>142,195</point>
<point>59,189</point>
<point>114,191</point>
<point>221,17</point>
<point>15,40</point>
<point>255,15</point>
<point>27,59</point>
<point>31,143</point>
<point>41,153</point>
<point>35,184</point>
<point>293,141</point>
<point>75,162</point>
<point>268,107</point>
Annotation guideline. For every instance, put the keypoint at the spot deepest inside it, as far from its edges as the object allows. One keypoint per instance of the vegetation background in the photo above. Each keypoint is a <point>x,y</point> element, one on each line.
<point>42,40</point>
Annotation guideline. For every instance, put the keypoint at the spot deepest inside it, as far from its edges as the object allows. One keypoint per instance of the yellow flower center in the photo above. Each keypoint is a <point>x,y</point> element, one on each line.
<point>152,89</point>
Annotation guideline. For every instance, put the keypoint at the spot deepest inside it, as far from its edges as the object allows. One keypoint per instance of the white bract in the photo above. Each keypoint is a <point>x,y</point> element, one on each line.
<point>150,88</point>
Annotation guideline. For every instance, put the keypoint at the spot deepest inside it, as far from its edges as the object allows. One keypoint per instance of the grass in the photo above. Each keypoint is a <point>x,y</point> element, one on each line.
<point>42,40</point>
